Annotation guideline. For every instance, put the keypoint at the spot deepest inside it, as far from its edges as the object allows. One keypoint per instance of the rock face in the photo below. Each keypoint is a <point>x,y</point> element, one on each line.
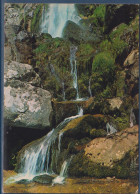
<point>25,103</point>
<point>107,151</point>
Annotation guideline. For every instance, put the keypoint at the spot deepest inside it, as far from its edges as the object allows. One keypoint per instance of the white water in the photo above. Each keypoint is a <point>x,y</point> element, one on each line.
<point>110,129</point>
<point>54,19</point>
<point>36,159</point>
<point>63,173</point>
<point>73,64</point>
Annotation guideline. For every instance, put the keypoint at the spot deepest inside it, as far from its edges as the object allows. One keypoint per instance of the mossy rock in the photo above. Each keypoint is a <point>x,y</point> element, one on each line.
<point>82,166</point>
<point>80,127</point>
<point>44,179</point>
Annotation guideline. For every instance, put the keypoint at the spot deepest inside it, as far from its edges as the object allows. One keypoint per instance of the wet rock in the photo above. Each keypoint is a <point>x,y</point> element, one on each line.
<point>24,181</point>
<point>44,179</point>
<point>80,127</point>
<point>65,109</point>
<point>25,105</point>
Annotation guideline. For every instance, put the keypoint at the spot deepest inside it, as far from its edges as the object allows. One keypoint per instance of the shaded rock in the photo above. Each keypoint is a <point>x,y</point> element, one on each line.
<point>24,104</point>
<point>117,14</point>
<point>110,150</point>
<point>44,179</point>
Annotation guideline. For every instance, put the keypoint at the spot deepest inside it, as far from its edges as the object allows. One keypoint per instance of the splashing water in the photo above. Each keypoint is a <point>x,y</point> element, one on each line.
<point>110,129</point>
<point>63,173</point>
<point>36,159</point>
<point>55,17</point>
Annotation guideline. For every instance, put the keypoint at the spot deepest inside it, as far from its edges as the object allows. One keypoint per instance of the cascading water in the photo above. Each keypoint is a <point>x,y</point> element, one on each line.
<point>36,159</point>
<point>73,64</point>
<point>55,17</point>
<point>89,88</point>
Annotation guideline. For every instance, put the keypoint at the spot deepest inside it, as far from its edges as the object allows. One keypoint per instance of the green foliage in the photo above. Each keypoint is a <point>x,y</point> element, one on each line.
<point>36,18</point>
<point>99,12</point>
<point>116,46</point>
<point>107,92</point>
<point>94,133</point>
<point>118,31</point>
<point>103,63</point>
<point>122,122</point>
<point>85,49</point>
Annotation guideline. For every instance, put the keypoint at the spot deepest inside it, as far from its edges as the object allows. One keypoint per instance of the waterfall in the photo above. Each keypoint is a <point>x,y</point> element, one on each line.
<point>110,129</point>
<point>63,173</point>
<point>89,88</point>
<point>36,158</point>
<point>73,64</point>
<point>55,17</point>
<point>132,118</point>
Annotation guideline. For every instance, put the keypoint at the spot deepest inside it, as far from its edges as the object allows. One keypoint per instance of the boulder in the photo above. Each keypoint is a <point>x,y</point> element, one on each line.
<point>25,103</point>
<point>78,33</point>
<point>116,155</point>
<point>44,179</point>
<point>107,151</point>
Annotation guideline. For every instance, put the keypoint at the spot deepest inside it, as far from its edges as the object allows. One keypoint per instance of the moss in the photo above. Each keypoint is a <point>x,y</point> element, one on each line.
<point>122,122</point>
<point>71,93</point>
<point>35,22</point>
<point>94,133</point>
<point>82,166</point>
<point>118,31</point>
<point>120,84</point>
<point>103,63</point>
